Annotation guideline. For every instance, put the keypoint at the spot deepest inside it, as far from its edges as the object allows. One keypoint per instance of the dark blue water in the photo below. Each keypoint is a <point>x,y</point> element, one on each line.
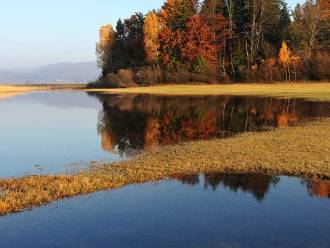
<point>216,210</point>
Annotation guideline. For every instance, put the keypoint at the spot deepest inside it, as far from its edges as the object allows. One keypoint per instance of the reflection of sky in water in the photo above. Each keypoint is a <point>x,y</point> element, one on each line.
<point>172,214</point>
<point>45,132</point>
<point>51,130</point>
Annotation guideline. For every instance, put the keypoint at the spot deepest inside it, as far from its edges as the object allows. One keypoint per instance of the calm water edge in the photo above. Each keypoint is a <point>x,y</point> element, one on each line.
<point>42,133</point>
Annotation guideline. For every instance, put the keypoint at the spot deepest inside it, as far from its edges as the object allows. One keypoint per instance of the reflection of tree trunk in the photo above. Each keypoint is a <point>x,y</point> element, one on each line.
<point>223,117</point>
<point>231,116</point>
<point>247,119</point>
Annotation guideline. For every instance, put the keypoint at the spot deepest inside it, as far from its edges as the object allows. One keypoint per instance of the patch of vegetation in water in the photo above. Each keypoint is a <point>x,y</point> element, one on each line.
<point>289,151</point>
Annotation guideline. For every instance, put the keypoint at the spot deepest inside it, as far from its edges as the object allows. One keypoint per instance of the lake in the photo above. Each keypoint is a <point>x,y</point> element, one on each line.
<point>57,132</point>
<point>214,210</point>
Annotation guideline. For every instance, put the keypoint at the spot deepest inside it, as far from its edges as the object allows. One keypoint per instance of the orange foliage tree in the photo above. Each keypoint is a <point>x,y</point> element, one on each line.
<point>169,46</point>
<point>104,48</point>
<point>151,37</point>
<point>198,42</point>
<point>284,57</point>
<point>325,8</point>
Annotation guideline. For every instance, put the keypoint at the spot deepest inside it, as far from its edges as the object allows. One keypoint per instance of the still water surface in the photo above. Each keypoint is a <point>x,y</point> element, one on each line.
<point>44,133</point>
<point>214,210</point>
<point>53,132</point>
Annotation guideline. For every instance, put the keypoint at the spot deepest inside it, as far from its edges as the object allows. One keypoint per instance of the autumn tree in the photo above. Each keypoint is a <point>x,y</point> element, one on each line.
<point>236,39</point>
<point>186,10</point>
<point>284,56</point>
<point>325,8</point>
<point>222,28</point>
<point>104,48</point>
<point>170,41</point>
<point>175,13</point>
<point>210,9</point>
<point>324,34</point>
<point>198,43</point>
<point>151,37</point>
<point>168,13</point>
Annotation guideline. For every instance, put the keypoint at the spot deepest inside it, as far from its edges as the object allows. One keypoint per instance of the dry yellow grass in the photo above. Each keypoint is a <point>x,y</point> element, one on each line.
<point>7,91</point>
<point>300,151</point>
<point>12,89</point>
<point>300,90</point>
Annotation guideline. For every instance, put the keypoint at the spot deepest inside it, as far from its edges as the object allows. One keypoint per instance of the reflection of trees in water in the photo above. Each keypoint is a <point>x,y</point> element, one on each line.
<point>131,122</point>
<point>319,188</point>
<point>256,184</point>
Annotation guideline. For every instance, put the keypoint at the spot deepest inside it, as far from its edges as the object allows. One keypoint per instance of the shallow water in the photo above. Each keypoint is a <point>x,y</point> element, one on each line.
<point>43,133</point>
<point>214,210</point>
<point>51,132</point>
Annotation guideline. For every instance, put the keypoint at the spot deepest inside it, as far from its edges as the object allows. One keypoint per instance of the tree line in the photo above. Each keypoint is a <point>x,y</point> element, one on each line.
<point>218,41</point>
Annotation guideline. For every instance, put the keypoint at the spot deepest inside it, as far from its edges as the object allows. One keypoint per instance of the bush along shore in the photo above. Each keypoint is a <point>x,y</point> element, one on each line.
<point>297,151</point>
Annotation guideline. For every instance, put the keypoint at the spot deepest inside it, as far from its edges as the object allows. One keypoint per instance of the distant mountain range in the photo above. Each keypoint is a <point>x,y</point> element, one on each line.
<point>55,73</point>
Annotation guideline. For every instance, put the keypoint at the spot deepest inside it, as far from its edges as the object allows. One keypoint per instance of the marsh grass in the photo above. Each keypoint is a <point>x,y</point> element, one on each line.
<point>298,151</point>
<point>316,91</point>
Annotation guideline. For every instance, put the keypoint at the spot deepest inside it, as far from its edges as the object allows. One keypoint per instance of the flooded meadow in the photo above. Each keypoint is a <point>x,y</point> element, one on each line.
<point>65,133</point>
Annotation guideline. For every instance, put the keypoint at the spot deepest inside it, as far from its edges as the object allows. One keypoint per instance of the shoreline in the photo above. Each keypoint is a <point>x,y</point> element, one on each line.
<point>289,151</point>
<point>307,90</point>
<point>313,90</point>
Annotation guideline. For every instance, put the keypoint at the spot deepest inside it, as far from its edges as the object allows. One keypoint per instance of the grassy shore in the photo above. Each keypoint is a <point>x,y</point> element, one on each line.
<point>8,91</point>
<point>299,151</point>
<point>320,91</point>
<point>316,91</point>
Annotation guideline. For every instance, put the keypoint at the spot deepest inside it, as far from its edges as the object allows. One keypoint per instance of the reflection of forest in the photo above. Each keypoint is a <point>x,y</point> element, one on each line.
<point>256,184</point>
<point>131,122</point>
<point>320,188</point>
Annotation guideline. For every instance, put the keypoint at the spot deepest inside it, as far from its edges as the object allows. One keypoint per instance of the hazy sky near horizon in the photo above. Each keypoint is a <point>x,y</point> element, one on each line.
<point>39,32</point>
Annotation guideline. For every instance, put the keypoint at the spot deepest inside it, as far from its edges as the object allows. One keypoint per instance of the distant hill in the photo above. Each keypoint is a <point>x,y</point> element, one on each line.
<point>55,73</point>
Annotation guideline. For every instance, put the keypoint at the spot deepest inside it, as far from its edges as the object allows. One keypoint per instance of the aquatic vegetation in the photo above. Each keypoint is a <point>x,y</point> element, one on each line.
<point>301,150</point>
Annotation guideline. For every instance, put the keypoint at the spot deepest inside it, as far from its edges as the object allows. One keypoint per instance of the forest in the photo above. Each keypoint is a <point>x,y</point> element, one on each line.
<point>217,41</point>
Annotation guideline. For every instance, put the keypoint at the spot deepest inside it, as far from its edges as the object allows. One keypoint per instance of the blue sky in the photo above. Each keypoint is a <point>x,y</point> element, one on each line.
<point>39,32</point>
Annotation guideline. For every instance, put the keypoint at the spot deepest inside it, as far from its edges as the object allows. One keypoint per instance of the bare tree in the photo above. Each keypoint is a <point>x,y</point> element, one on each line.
<point>258,8</point>
<point>312,18</point>
<point>230,8</point>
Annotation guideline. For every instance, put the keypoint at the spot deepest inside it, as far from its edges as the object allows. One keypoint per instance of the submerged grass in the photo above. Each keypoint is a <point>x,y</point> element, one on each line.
<point>317,91</point>
<point>300,151</point>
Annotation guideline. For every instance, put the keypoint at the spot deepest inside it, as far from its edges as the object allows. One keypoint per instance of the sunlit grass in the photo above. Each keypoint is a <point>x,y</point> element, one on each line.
<point>7,91</point>
<point>300,151</point>
<point>317,91</point>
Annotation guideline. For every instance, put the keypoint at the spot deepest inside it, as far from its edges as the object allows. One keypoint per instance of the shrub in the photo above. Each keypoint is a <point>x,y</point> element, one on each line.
<point>148,76</point>
<point>200,65</point>
<point>320,66</point>
<point>124,78</point>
